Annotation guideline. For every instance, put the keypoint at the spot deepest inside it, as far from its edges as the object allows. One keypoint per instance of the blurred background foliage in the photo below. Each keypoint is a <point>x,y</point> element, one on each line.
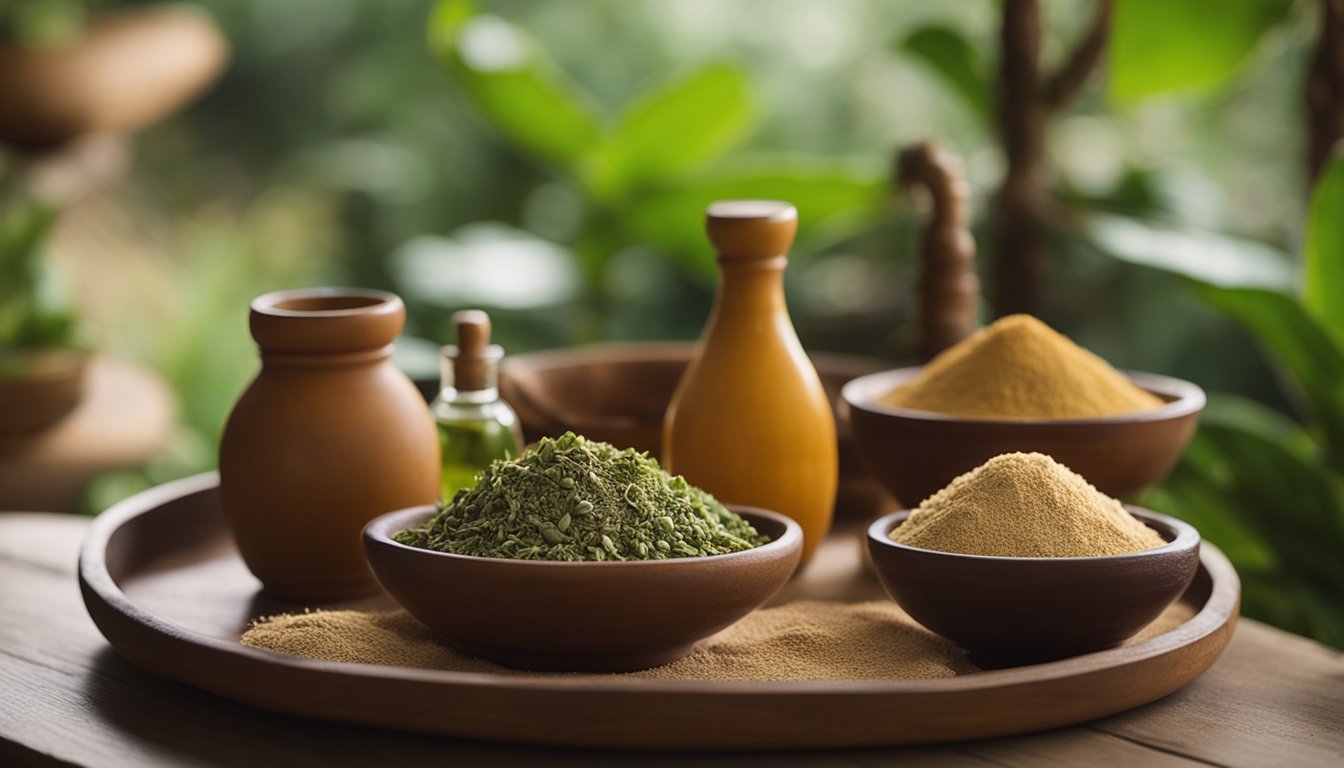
<point>550,162</point>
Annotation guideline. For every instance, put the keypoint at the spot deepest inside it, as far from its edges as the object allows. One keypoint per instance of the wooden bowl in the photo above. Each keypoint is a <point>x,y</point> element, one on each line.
<point>1013,610</point>
<point>132,67</point>
<point>916,453</point>
<point>589,617</point>
<point>619,392</point>
<point>47,385</point>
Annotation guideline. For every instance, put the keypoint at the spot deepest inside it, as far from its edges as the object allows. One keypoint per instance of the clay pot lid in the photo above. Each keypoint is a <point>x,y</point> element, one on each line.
<point>326,320</point>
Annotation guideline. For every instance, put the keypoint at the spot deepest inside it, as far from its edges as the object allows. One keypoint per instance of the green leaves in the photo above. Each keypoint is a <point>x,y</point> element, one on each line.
<point>1205,257</point>
<point>1306,348</point>
<point>675,128</point>
<point>662,134</point>
<point>34,312</point>
<point>1323,289</point>
<point>1256,483</point>
<point>824,192</point>
<point>516,87</point>
<point>950,56</point>
<point>1184,45</point>
<point>1272,507</point>
<point>643,172</point>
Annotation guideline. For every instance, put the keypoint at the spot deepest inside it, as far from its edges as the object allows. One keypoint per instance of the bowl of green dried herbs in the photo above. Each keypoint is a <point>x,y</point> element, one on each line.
<point>577,556</point>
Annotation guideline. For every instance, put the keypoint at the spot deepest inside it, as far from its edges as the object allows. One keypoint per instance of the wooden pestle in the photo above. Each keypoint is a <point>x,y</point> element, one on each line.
<point>949,290</point>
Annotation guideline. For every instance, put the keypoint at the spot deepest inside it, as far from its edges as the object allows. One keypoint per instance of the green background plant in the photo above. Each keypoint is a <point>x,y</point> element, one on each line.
<point>1266,488</point>
<point>34,312</point>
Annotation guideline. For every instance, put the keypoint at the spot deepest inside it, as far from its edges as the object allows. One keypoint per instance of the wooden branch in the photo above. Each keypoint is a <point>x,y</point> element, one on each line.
<point>1019,249</point>
<point>949,290</point>
<point>1325,88</point>
<point>1080,63</point>
<point>1026,103</point>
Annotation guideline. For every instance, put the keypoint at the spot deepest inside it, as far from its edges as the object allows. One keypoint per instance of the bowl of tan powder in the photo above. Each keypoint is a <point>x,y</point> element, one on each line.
<point>1023,560</point>
<point>1018,385</point>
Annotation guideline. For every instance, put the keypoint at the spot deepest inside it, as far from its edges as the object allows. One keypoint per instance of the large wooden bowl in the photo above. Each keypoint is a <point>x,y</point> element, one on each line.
<point>619,392</point>
<point>1032,609</point>
<point>915,453</point>
<point>132,67</point>
<point>580,617</point>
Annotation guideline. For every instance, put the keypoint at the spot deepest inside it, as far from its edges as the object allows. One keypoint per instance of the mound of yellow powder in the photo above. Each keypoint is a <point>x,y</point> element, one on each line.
<point>1020,368</point>
<point>1025,505</point>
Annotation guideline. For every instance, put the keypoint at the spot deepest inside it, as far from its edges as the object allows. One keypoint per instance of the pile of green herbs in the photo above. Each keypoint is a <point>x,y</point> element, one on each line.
<point>574,499</point>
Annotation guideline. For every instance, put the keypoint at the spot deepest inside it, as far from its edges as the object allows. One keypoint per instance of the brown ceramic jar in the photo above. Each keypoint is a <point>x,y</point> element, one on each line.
<point>328,436</point>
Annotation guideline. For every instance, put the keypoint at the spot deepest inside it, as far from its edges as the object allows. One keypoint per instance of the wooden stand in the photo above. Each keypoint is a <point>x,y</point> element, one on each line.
<point>125,418</point>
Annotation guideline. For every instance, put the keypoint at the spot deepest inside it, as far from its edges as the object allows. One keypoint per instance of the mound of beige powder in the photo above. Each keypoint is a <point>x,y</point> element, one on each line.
<point>1025,505</point>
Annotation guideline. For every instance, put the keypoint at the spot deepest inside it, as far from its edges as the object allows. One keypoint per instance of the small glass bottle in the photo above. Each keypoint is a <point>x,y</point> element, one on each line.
<point>475,426</point>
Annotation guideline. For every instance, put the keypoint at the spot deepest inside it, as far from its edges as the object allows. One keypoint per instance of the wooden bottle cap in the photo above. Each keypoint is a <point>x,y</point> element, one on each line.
<point>751,229</point>
<point>474,353</point>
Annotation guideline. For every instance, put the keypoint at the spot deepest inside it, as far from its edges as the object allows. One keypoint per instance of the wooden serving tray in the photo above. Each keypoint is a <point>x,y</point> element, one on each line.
<point>164,583</point>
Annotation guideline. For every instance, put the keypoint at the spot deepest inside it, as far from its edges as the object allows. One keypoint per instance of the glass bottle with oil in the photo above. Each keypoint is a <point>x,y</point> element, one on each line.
<point>475,426</point>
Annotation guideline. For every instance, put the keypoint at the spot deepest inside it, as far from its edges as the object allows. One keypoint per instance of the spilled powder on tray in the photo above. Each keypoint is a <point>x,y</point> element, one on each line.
<point>809,640</point>
<point>805,640</point>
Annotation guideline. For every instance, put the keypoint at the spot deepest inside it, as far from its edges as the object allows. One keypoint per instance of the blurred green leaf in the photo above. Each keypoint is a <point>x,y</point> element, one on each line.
<point>1202,256</point>
<point>1184,45</point>
<point>1293,505</point>
<point>514,84</point>
<point>34,308</point>
<point>950,56</point>
<point>826,194</point>
<point>1323,250</point>
<point>1304,346</point>
<point>1253,484</point>
<point>673,129</point>
<point>1235,412</point>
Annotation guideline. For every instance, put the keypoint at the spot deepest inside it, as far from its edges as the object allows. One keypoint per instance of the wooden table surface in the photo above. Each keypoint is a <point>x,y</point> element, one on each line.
<point>66,697</point>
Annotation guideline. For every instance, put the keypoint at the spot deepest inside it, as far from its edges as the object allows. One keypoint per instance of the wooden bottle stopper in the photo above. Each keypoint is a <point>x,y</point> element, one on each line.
<point>475,356</point>
<point>949,290</point>
<point>751,229</point>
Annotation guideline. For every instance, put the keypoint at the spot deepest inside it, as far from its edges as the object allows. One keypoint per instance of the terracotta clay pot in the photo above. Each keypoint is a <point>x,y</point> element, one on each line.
<point>327,437</point>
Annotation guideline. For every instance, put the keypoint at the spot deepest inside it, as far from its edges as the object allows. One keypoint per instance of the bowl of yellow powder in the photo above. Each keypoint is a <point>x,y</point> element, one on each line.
<point>1018,385</point>
<point>1022,559</point>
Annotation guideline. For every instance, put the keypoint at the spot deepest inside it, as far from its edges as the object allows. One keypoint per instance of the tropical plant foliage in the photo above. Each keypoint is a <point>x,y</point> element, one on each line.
<point>1269,490</point>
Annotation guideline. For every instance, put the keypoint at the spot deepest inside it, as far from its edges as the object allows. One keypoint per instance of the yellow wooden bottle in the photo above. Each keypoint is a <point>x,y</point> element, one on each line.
<point>750,422</point>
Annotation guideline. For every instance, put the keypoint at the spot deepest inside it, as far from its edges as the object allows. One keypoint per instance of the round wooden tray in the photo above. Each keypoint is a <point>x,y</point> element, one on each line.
<point>164,583</point>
